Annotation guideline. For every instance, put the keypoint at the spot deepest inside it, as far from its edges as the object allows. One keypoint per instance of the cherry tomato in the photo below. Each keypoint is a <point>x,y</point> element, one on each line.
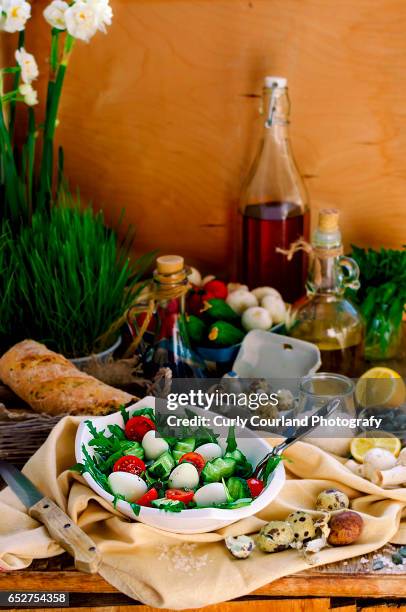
<point>195,301</point>
<point>137,427</point>
<point>216,288</point>
<point>255,486</point>
<point>195,458</point>
<point>179,495</point>
<point>131,464</point>
<point>148,497</point>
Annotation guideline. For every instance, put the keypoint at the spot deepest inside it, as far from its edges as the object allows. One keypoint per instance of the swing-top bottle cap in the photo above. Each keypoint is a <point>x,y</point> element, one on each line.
<point>328,220</point>
<point>275,81</point>
<point>170,264</point>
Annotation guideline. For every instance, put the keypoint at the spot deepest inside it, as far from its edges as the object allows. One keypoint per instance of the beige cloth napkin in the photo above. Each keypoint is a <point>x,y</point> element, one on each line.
<point>188,571</point>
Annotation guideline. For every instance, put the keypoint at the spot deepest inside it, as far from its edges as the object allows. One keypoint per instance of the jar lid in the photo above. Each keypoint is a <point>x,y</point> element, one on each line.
<point>170,264</point>
<point>328,219</point>
<point>275,81</point>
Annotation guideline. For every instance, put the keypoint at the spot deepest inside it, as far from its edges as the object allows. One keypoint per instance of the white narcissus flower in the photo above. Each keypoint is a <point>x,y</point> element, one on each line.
<point>82,20</point>
<point>28,65</point>
<point>29,94</point>
<point>14,15</point>
<point>85,17</point>
<point>54,14</point>
<point>104,13</point>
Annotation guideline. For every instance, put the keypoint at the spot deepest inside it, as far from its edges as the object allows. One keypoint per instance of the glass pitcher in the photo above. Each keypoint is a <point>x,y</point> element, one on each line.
<point>325,317</point>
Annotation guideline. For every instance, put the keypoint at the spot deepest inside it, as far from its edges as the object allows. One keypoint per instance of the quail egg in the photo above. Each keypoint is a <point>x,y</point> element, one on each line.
<point>241,546</point>
<point>302,525</point>
<point>275,536</point>
<point>332,499</point>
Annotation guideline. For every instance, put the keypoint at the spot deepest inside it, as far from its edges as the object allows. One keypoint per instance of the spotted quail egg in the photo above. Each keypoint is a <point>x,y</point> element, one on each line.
<point>275,536</point>
<point>332,499</point>
<point>241,546</point>
<point>302,525</point>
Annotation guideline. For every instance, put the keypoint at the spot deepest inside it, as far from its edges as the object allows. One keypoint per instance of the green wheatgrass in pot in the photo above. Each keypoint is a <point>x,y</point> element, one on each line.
<point>73,279</point>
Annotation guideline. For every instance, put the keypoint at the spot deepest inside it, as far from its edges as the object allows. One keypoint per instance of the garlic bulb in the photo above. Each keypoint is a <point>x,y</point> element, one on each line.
<point>195,277</point>
<point>207,279</point>
<point>276,308</point>
<point>240,300</point>
<point>261,292</point>
<point>256,318</point>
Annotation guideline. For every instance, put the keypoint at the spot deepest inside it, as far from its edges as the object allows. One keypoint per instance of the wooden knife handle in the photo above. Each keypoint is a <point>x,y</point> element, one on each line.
<point>64,531</point>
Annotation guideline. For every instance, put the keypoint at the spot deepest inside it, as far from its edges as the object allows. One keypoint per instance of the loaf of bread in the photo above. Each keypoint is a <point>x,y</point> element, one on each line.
<point>50,383</point>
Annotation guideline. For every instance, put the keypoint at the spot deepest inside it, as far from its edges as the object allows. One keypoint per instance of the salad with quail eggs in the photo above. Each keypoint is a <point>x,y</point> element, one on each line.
<point>139,464</point>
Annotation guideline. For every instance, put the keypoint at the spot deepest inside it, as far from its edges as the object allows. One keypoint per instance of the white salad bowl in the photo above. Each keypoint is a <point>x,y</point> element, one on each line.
<point>199,520</point>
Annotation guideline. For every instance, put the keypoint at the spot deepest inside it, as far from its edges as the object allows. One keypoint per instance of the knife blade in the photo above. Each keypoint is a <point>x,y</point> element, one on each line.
<point>60,526</point>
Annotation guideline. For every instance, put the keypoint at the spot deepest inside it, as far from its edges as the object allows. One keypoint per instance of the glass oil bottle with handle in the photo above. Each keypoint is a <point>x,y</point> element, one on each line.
<point>171,346</point>
<point>325,317</point>
<point>274,203</point>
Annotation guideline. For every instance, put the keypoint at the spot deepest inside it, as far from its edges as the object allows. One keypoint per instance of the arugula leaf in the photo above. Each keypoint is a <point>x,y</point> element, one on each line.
<point>92,467</point>
<point>202,434</point>
<point>238,503</point>
<point>117,431</point>
<point>148,412</point>
<point>270,467</point>
<point>116,497</point>
<point>135,508</point>
<point>78,467</point>
<point>231,441</point>
<point>124,414</point>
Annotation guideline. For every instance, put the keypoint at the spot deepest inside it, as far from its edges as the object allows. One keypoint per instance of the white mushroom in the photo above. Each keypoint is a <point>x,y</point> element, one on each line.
<point>276,308</point>
<point>380,458</point>
<point>261,292</point>
<point>256,318</point>
<point>402,457</point>
<point>356,468</point>
<point>240,300</point>
<point>231,287</point>
<point>371,473</point>
<point>393,477</point>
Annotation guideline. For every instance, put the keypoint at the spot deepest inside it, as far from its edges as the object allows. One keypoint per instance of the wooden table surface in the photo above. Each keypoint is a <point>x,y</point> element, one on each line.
<point>348,587</point>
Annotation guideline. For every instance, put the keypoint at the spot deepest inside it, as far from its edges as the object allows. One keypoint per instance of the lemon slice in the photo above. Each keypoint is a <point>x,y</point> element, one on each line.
<point>381,387</point>
<point>360,446</point>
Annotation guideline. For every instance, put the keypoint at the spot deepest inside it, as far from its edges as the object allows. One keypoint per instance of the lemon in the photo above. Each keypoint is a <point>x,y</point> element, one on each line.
<point>381,387</point>
<point>360,446</point>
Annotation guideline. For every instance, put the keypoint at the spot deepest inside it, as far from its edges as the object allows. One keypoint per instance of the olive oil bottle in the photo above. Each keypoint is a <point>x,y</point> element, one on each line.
<point>325,317</point>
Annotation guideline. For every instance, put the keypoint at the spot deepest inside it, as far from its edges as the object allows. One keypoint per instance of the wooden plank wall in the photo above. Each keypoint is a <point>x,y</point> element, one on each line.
<point>159,115</point>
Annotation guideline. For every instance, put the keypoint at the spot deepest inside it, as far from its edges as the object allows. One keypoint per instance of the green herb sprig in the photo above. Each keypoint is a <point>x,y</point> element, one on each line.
<point>382,294</point>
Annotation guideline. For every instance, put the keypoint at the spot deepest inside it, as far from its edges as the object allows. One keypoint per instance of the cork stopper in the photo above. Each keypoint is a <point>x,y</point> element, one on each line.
<point>328,220</point>
<point>170,264</point>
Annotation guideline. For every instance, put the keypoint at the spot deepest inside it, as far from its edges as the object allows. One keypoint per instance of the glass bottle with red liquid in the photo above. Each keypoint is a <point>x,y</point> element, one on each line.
<point>274,203</point>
